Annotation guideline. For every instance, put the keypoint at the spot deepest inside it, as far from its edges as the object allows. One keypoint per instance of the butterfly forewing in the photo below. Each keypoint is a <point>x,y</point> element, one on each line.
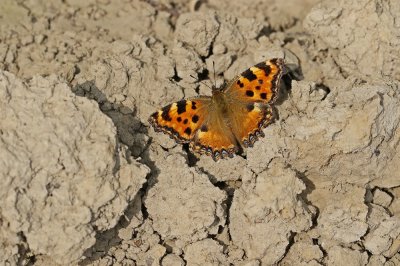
<point>258,83</point>
<point>182,119</point>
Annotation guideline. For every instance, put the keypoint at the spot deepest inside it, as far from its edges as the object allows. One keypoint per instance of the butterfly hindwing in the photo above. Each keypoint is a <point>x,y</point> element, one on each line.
<point>215,137</point>
<point>258,83</point>
<point>182,119</point>
<point>248,120</point>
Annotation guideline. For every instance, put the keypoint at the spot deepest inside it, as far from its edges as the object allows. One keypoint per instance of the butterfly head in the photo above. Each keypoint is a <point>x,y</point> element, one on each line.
<point>219,89</point>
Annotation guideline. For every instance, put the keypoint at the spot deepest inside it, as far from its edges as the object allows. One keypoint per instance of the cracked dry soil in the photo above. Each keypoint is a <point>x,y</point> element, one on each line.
<point>85,181</point>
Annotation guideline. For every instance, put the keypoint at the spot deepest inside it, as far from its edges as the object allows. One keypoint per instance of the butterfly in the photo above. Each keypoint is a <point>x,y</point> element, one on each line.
<point>232,118</point>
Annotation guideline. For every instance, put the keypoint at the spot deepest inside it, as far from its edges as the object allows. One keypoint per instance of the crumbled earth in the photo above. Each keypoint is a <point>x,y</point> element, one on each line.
<point>86,181</point>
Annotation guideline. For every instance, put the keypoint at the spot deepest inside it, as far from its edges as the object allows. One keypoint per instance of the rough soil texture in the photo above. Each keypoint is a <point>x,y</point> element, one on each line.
<point>86,181</point>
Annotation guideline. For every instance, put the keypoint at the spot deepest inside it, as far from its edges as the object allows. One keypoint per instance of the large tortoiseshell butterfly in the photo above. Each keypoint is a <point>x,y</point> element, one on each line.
<point>233,117</point>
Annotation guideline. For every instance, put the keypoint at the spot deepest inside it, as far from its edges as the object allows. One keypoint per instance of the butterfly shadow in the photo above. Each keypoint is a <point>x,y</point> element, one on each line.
<point>132,133</point>
<point>291,72</point>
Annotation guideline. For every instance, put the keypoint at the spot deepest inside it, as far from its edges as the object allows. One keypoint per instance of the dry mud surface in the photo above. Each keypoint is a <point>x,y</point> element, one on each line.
<point>86,181</point>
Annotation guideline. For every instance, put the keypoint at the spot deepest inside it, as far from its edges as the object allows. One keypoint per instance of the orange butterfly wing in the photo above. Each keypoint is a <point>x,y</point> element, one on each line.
<point>247,121</point>
<point>197,122</point>
<point>214,137</point>
<point>182,119</point>
<point>259,83</point>
<point>249,97</point>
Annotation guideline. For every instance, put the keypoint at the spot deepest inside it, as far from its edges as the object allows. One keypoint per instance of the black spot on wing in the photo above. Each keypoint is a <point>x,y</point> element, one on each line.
<point>195,118</point>
<point>179,119</point>
<point>181,105</point>
<point>260,81</point>
<point>194,105</point>
<point>250,93</point>
<point>263,95</point>
<point>204,128</point>
<point>265,67</point>
<point>185,121</point>
<point>248,74</point>
<point>241,85</point>
<point>188,131</point>
<point>165,112</point>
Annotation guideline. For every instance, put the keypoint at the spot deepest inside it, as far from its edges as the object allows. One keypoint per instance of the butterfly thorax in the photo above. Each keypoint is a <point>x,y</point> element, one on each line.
<point>219,101</point>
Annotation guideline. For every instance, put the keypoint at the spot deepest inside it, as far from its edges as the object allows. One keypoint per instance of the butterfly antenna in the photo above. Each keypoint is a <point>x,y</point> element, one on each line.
<point>215,80</point>
<point>197,80</point>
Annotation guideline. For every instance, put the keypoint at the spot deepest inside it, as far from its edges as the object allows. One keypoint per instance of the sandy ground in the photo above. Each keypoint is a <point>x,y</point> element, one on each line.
<point>86,181</point>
